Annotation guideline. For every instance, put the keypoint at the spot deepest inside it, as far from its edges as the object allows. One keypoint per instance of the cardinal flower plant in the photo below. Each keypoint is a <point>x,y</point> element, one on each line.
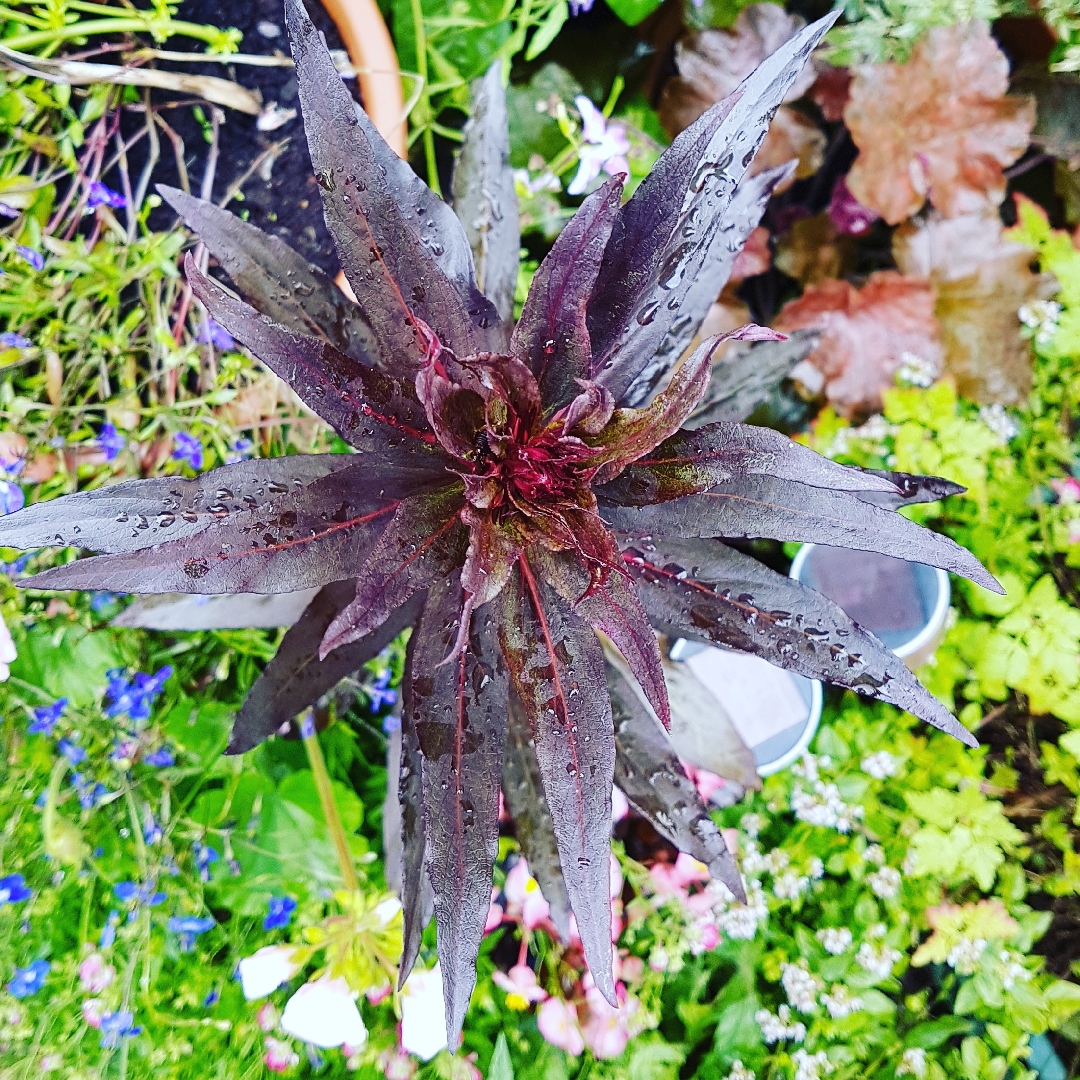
<point>514,492</point>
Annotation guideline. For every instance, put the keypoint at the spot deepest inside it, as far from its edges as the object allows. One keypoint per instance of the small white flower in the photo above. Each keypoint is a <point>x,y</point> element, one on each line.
<point>913,1063</point>
<point>751,824</point>
<point>817,868</point>
<point>790,886</point>
<point>811,1066</point>
<point>740,1072</point>
<point>875,854</point>
<point>824,807</point>
<point>885,882</point>
<point>999,421</point>
<point>879,962</point>
<point>423,1013</point>
<point>841,1002</point>
<point>964,957</point>
<point>915,371</point>
<point>324,1013</point>
<point>740,921</point>
<point>1042,317</point>
<point>8,655</point>
<point>776,1027</point>
<point>264,972</point>
<point>835,939</point>
<point>800,986</point>
<point>880,765</point>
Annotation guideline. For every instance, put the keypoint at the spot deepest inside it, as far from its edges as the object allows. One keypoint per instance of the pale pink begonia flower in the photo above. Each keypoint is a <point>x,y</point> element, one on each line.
<point>423,1013</point>
<point>558,1023</point>
<point>396,1065</point>
<point>268,1017</point>
<point>605,1030</point>
<point>324,1013</point>
<point>376,995</point>
<point>606,147</point>
<point>93,1009</point>
<point>619,806</point>
<point>524,900</point>
<point>94,974</point>
<point>521,987</point>
<point>495,913</point>
<point>630,969</point>
<point>1067,489</point>
<point>280,1056</point>
<point>672,879</point>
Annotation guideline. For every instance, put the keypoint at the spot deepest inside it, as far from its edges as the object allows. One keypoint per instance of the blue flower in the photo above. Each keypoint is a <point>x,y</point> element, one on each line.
<point>135,696</point>
<point>116,1026</point>
<point>378,692</point>
<point>13,889</point>
<point>108,931</point>
<point>90,793</point>
<point>160,758</point>
<point>28,254</point>
<point>111,441</point>
<point>240,450</point>
<point>29,980</point>
<point>280,912</point>
<point>11,497</point>
<point>9,211</point>
<point>128,892</point>
<point>12,340</point>
<point>100,195</point>
<point>211,333</point>
<point>391,722</point>
<point>189,927</point>
<point>46,716</point>
<point>16,568</point>
<point>188,449</point>
<point>211,999</point>
<point>307,724</point>
<point>72,751</point>
<point>204,856</point>
<point>100,600</point>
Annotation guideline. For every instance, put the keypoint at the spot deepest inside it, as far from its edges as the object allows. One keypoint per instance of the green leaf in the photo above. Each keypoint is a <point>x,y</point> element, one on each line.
<point>932,1034</point>
<point>68,662</point>
<point>548,29</point>
<point>200,728</point>
<point>501,1066</point>
<point>633,11</point>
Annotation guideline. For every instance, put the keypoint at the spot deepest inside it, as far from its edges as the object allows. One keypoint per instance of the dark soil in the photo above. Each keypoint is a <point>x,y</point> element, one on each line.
<point>281,197</point>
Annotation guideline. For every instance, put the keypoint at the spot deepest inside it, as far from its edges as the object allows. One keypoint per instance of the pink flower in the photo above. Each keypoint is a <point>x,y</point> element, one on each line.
<point>671,879</point>
<point>1074,532</point>
<point>706,782</point>
<point>395,1065</point>
<point>524,900</point>
<point>495,913</point>
<point>376,995</point>
<point>280,1056</point>
<point>92,1011</point>
<point>94,974</point>
<point>558,1024</point>
<point>606,1031</point>
<point>605,147</point>
<point>619,806</point>
<point>631,969</point>
<point>521,987</point>
<point>615,879</point>
<point>1068,490</point>
<point>268,1017</point>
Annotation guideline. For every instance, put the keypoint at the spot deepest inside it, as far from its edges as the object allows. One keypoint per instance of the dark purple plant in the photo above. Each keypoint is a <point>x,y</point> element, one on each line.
<point>514,490</point>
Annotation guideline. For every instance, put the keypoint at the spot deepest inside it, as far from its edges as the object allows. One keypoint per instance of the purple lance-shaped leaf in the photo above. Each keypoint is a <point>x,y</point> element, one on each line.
<point>747,375</point>
<point>137,514</point>
<point>612,607</point>
<point>417,897</point>
<point>459,715</point>
<point>706,591</point>
<point>296,678</point>
<point>551,337</point>
<point>422,543</point>
<point>370,208</point>
<point>694,461</point>
<point>523,790</point>
<point>276,280</point>
<point>650,775</point>
<point>310,533</point>
<point>557,668</point>
<point>747,205</point>
<point>763,506</point>
<point>664,234</point>
<point>484,197</point>
<point>374,412</point>
<point>910,489</point>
